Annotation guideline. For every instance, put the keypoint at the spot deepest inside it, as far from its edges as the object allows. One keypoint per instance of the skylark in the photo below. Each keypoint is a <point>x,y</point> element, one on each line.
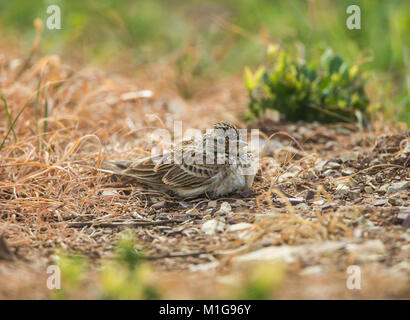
<point>215,164</point>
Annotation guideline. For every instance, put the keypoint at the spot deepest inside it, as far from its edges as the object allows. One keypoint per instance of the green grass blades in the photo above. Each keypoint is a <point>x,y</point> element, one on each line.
<point>6,109</point>
<point>126,276</point>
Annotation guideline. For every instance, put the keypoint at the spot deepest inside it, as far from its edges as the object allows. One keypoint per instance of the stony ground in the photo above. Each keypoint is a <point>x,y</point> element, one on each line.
<point>325,197</point>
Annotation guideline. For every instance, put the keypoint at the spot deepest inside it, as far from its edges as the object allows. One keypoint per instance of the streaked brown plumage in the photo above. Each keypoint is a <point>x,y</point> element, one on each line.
<point>187,179</point>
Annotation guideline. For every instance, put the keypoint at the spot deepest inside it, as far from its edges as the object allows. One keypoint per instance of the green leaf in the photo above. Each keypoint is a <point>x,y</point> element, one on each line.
<point>252,80</point>
<point>324,60</point>
<point>335,64</point>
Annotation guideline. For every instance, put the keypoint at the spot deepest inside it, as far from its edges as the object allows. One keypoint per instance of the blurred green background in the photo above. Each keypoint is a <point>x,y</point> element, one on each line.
<point>214,38</point>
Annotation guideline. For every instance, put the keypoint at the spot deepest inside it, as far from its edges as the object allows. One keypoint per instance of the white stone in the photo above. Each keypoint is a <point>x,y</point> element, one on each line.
<point>204,267</point>
<point>312,270</point>
<point>213,226</point>
<point>342,189</point>
<point>285,254</point>
<point>350,156</point>
<point>133,95</point>
<point>225,207</point>
<point>333,165</point>
<point>110,193</point>
<point>239,226</point>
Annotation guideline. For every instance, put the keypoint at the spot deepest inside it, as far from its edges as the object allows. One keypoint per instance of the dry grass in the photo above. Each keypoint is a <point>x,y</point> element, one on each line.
<point>52,195</point>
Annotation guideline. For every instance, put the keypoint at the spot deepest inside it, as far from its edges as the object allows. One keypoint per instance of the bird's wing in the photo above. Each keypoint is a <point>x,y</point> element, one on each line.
<point>187,176</point>
<point>164,171</point>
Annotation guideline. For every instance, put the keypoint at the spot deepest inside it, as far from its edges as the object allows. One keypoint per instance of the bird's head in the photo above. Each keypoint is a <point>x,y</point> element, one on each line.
<point>229,133</point>
<point>225,126</point>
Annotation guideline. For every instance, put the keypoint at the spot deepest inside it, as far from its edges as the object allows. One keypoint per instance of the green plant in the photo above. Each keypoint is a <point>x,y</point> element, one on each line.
<point>328,90</point>
<point>127,276</point>
<point>73,272</point>
<point>12,124</point>
<point>261,282</point>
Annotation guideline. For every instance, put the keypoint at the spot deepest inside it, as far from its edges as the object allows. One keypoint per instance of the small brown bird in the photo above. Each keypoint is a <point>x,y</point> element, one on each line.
<point>216,164</point>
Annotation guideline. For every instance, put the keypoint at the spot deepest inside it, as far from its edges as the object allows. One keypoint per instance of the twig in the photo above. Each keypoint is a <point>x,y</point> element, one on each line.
<point>177,255</point>
<point>331,113</point>
<point>121,224</point>
<point>370,168</point>
<point>45,115</point>
<point>36,102</point>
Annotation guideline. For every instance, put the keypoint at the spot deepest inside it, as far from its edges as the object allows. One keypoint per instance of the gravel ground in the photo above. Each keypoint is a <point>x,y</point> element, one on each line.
<point>338,197</point>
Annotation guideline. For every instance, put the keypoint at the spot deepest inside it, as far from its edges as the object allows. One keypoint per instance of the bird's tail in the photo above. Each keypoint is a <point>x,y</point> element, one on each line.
<point>142,170</point>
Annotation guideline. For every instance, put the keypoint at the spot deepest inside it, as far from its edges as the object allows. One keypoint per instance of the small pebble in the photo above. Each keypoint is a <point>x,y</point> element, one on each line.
<point>310,195</point>
<point>342,189</point>
<point>159,205</point>
<point>350,156</point>
<point>326,207</point>
<point>384,188</point>
<point>193,212</point>
<point>398,186</point>
<point>185,204</point>
<point>213,226</point>
<point>380,203</point>
<point>212,204</point>
<point>225,208</point>
<point>333,165</point>
<point>347,172</point>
